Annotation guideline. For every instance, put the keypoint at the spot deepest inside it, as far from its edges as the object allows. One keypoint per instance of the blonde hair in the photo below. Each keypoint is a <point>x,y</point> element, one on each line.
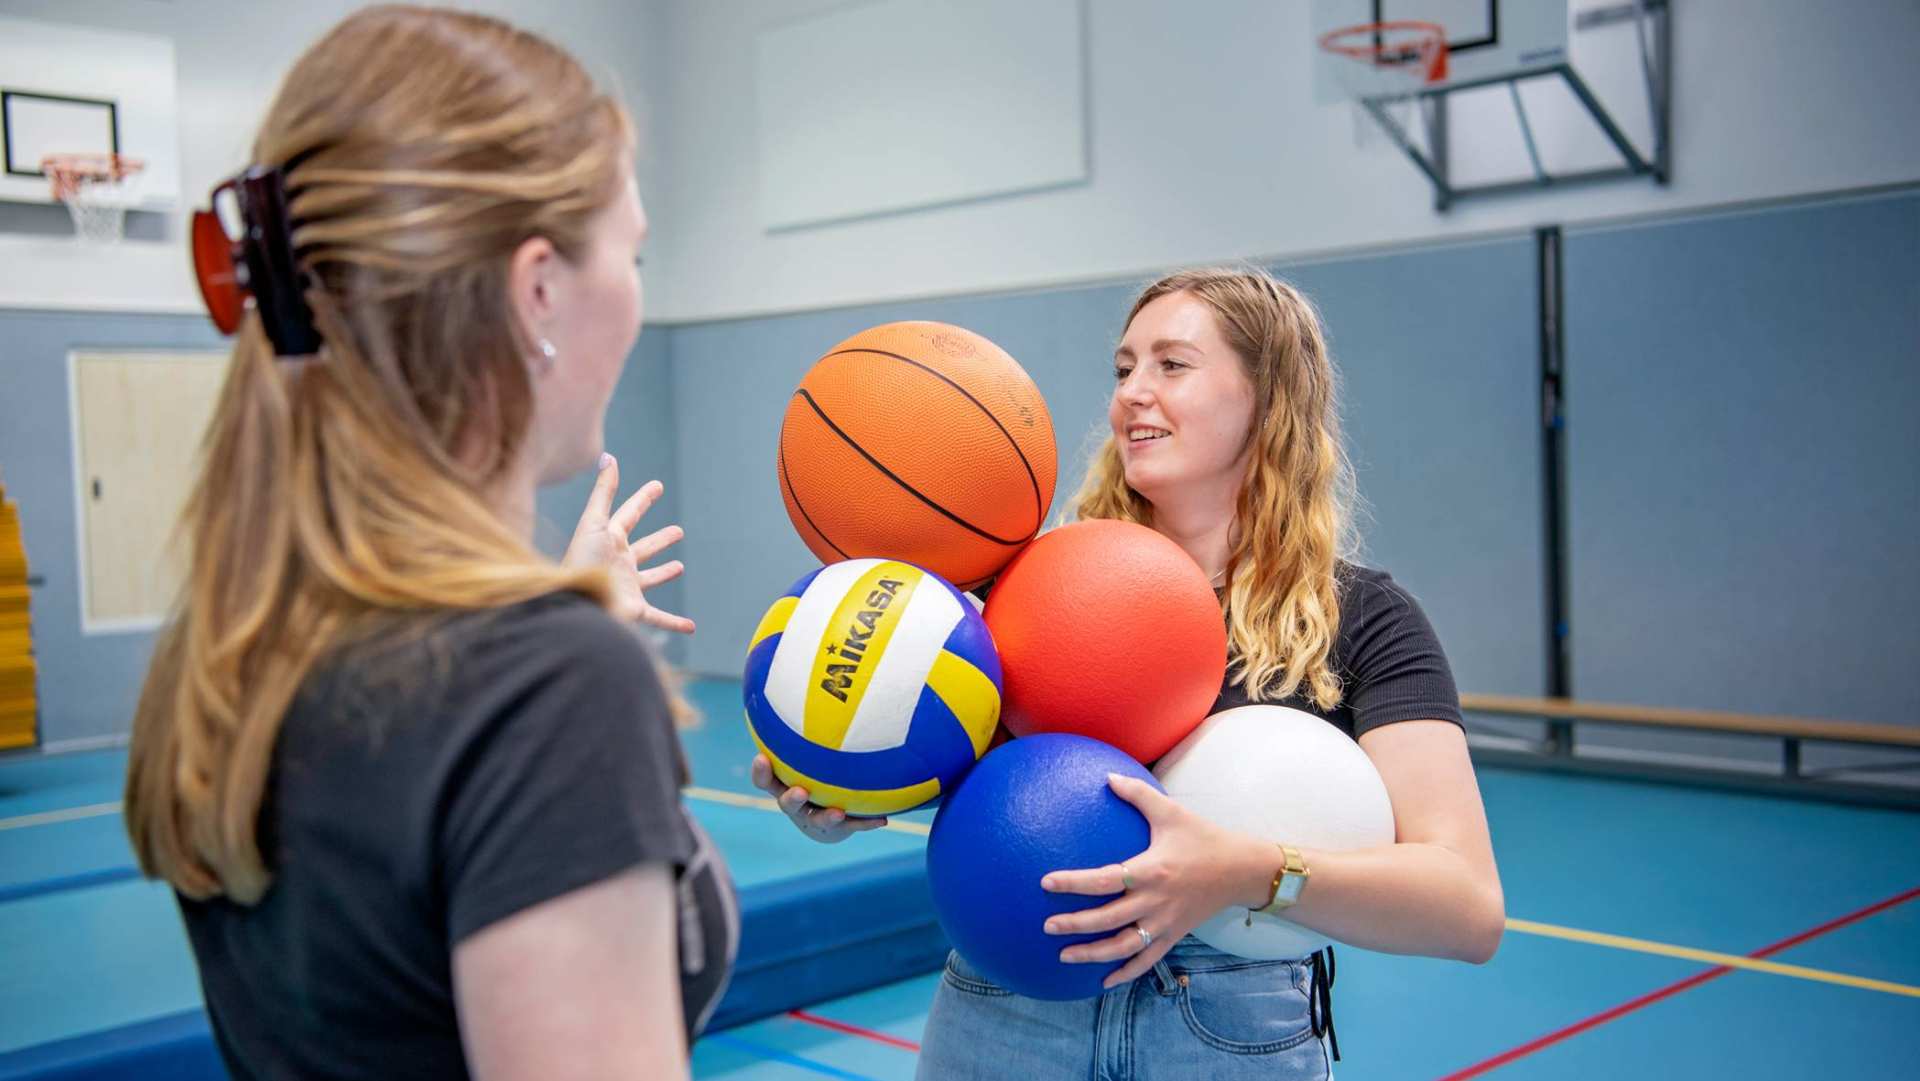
<point>420,147</point>
<point>1294,517</point>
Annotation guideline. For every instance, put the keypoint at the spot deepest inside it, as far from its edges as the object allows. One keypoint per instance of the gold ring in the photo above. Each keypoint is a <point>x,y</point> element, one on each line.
<point>1126,877</point>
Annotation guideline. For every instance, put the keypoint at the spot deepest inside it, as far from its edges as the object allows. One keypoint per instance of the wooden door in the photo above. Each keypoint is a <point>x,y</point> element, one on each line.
<point>139,418</point>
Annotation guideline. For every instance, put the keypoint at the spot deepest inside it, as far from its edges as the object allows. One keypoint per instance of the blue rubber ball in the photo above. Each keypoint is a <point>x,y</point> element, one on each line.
<point>1031,806</point>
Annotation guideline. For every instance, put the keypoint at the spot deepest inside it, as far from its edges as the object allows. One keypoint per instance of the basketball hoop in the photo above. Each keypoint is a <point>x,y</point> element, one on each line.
<point>1387,53</point>
<point>97,188</point>
<point>1394,45</point>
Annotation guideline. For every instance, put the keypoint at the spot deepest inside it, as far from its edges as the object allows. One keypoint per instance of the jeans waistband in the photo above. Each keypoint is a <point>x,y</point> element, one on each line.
<point>1192,955</point>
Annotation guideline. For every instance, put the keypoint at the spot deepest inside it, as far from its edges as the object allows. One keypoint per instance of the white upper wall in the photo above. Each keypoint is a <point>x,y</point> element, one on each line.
<point>1206,144</point>
<point>230,57</point>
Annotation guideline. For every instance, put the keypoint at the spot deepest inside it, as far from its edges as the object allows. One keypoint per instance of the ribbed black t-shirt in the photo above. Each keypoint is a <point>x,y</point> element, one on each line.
<point>1388,658</point>
<point>428,781</point>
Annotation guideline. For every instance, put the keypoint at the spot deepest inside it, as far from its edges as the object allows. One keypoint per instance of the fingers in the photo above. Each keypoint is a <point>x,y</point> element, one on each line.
<point>1091,921</point>
<point>830,825</point>
<point>761,774</point>
<point>1098,882</point>
<point>833,825</point>
<point>605,484</point>
<point>636,507</point>
<point>665,572</point>
<point>1119,946</point>
<point>793,801</point>
<point>656,542</point>
<point>1141,962</point>
<point>1149,800</point>
<point>666,621</point>
<point>825,824</point>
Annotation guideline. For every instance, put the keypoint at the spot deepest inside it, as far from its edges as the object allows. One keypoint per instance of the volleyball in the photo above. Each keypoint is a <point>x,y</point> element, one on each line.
<point>873,684</point>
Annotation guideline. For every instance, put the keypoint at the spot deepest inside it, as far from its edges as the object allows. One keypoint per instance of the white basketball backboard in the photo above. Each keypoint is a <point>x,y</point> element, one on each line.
<point>1485,39</point>
<point>74,89</point>
<point>1532,93</point>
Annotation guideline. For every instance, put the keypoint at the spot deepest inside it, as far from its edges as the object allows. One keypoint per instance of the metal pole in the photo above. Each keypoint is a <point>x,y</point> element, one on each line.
<point>1614,135</point>
<point>1526,132</point>
<point>1399,137</point>
<point>1663,119</point>
<point>1547,243</point>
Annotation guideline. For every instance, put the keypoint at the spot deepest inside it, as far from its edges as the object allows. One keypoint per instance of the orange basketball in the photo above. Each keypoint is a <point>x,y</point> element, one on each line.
<point>920,442</point>
<point>1107,629</point>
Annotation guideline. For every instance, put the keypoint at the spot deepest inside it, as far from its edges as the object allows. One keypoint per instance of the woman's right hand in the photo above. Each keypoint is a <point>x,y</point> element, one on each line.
<point>828,825</point>
<point>600,540</point>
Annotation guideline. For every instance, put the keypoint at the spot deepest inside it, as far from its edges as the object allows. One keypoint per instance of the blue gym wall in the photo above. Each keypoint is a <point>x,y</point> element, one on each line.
<point>1437,349</point>
<point>88,682</point>
<point>1743,430</point>
<point>1741,450</point>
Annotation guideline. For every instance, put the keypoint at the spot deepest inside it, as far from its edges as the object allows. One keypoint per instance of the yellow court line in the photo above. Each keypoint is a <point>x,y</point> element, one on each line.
<point>1528,927</point>
<point>736,799</point>
<point>70,814</point>
<point>1525,927</point>
<point>1641,945</point>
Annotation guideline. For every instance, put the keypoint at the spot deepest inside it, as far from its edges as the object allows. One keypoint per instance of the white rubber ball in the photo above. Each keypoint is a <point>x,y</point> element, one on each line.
<point>1290,777</point>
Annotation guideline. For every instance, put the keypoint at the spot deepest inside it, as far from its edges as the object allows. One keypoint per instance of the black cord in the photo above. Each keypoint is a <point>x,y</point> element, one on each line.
<point>1320,999</point>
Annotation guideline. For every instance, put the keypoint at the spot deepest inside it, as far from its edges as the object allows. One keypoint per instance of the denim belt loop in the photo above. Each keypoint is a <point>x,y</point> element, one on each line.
<point>1165,980</point>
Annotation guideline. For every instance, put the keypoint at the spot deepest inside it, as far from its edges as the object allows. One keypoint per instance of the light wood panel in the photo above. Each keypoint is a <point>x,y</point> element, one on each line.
<point>1695,719</point>
<point>139,418</point>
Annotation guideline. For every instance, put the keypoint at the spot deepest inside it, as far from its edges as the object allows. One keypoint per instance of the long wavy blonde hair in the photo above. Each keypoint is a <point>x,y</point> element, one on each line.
<point>421,147</point>
<point>1294,518</point>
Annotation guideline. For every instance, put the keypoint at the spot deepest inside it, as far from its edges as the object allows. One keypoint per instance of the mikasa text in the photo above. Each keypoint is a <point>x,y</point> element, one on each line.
<point>853,649</point>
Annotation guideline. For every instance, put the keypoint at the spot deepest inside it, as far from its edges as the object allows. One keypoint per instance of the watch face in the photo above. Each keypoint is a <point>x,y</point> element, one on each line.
<point>1290,886</point>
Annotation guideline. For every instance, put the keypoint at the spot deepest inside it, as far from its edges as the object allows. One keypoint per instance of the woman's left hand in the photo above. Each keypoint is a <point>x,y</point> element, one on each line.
<point>600,540</point>
<point>1187,874</point>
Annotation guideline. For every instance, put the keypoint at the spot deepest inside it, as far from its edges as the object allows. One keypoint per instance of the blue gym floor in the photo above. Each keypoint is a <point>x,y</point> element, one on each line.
<point>1690,882</point>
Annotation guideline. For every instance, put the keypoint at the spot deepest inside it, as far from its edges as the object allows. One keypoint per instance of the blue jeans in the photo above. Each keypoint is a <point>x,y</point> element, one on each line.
<point>1199,1013</point>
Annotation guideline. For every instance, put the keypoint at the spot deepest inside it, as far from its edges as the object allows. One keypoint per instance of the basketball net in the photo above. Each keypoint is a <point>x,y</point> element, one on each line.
<point>1392,62</point>
<point>97,190</point>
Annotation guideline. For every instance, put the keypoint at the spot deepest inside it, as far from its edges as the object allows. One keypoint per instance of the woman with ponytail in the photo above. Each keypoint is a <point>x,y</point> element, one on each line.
<point>415,785</point>
<point>1225,437</point>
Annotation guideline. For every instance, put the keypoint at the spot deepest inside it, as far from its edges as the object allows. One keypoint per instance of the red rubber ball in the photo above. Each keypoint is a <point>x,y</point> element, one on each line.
<point>1107,629</point>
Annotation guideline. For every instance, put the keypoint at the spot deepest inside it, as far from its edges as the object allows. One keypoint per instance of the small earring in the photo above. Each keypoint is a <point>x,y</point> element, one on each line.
<point>547,353</point>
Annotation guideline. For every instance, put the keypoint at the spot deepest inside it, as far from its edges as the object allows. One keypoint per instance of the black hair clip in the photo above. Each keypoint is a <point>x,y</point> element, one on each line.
<point>258,265</point>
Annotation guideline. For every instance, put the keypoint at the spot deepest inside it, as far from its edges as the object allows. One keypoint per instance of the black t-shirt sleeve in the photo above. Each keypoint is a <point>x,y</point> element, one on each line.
<point>570,774</point>
<point>1395,668</point>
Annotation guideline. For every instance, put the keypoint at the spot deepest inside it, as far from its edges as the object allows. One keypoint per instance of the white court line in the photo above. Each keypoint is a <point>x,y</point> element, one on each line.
<point>45,818</point>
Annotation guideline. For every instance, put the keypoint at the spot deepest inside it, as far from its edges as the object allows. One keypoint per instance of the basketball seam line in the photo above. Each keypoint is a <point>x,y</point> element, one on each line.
<point>1039,512</point>
<point>780,455</point>
<point>891,475</point>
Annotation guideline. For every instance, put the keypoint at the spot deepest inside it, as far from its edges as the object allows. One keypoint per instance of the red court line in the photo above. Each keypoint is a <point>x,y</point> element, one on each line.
<point>1671,990</point>
<point>854,1030</point>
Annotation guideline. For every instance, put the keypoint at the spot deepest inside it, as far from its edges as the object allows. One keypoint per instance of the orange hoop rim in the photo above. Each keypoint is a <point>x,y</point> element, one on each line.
<point>71,172</point>
<point>1430,43</point>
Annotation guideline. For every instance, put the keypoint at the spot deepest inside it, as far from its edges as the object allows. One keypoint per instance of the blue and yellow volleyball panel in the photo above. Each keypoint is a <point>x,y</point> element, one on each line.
<point>872,684</point>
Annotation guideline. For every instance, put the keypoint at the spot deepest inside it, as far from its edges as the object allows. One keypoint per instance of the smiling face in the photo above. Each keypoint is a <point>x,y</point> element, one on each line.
<point>1182,404</point>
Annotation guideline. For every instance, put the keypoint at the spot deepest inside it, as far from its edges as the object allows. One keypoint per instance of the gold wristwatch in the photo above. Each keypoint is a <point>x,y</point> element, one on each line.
<point>1288,881</point>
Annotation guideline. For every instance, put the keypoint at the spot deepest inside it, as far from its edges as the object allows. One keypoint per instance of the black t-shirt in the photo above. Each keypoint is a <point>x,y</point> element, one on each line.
<point>428,781</point>
<point>1387,656</point>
